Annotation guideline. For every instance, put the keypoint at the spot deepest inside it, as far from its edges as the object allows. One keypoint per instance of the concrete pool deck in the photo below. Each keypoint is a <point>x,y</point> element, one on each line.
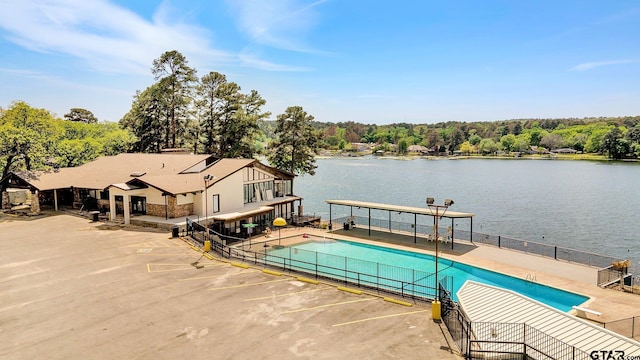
<point>613,305</point>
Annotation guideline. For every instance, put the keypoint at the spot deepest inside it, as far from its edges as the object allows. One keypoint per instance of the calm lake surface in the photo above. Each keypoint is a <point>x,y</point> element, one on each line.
<point>583,205</point>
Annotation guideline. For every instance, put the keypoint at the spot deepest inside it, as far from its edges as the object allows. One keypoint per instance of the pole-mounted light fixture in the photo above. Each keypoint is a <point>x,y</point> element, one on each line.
<point>435,305</point>
<point>207,178</point>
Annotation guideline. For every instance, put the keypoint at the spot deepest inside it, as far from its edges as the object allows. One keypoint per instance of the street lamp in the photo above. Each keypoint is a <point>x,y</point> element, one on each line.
<point>435,305</point>
<point>207,178</point>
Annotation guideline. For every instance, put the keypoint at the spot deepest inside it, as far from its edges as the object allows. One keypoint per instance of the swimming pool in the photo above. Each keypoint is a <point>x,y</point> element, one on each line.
<point>333,254</point>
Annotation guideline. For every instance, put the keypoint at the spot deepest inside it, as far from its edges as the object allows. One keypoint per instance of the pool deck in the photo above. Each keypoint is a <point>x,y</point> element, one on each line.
<point>613,305</point>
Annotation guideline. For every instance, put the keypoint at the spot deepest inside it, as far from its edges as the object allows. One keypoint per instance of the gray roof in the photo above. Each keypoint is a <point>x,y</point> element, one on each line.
<point>488,304</point>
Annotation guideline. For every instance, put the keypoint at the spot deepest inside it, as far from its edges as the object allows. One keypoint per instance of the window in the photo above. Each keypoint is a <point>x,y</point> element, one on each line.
<point>216,203</point>
<point>258,191</point>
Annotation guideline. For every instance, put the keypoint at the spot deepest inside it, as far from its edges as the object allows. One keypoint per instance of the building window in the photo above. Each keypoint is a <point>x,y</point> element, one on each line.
<point>216,203</point>
<point>258,191</point>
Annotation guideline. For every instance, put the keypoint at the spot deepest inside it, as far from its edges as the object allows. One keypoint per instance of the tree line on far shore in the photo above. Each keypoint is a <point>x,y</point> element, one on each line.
<point>613,137</point>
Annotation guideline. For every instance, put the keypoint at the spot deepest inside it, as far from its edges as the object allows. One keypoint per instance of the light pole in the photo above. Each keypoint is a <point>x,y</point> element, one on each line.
<point>207,178</point>
<point>435,305</point>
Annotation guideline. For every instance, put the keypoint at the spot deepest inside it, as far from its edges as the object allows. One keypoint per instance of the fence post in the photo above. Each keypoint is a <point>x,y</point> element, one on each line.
<point>499,240</point>
<point>555,253</point>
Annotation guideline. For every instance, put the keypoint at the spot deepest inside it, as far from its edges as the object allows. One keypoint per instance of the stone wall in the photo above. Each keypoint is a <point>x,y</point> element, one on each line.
<point>155,210</point>
<point>172,211</point>
<point>6,204</point>
<point>35,203</point>
<point>176,210</point>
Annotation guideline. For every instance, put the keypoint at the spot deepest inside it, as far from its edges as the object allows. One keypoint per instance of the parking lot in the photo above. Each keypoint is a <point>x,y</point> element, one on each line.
<point>70,288</point>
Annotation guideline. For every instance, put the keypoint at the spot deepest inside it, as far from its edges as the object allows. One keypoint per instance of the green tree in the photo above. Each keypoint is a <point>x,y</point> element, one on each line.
<point>75,152</point>
<point>507,142</point>
<point>172,70</point>
<point>147,119</point>
<point>81,115</point>
<point>474,139</point>
<point>208,106</point>
<point>27,138</point>
<point>487,146</point>
<point>457,138</point>
<point>402,146</point>
<point>296,143</point>
<point>614,144</point>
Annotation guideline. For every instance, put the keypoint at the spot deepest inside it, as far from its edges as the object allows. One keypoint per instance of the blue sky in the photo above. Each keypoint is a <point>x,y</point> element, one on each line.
<point>341,60</point>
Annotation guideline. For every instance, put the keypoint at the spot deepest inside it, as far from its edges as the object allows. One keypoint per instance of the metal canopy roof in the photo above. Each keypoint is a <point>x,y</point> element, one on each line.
<point>405,209</point>
<point>488,304</point>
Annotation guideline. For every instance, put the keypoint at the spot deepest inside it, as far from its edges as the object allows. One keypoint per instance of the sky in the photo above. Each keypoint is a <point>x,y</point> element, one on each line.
<point>373,62</point>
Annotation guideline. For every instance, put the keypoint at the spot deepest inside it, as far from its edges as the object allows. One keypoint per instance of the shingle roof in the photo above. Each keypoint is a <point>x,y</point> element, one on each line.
<point>107,170</point>
<point>193,182</point>
<point>171,173</point>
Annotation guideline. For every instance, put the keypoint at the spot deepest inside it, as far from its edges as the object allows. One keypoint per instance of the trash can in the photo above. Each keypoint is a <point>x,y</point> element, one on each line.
<point>174,231</point>
<point>94,215</point>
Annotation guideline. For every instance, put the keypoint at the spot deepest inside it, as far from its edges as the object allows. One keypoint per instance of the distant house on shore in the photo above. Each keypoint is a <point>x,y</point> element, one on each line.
<point>417,149</point>
<point>564,151</point>
<point>171,185</point>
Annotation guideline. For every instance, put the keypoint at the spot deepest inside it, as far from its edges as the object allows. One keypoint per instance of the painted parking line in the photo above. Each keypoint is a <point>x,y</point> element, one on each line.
<point>216,276</point>
<point>380,317</point>
<point>156,268</point>
<point>329,305</point>
<point>156,244</point>
<point>287,294</point>
<point>247,285</point>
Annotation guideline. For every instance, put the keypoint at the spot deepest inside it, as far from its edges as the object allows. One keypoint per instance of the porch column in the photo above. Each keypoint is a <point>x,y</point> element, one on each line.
<point>112,206</point>
<point>55,199</point>
<point>125,205</point>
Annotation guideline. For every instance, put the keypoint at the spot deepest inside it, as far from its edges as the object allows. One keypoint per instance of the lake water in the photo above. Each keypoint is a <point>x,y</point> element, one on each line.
<point>583,205</point>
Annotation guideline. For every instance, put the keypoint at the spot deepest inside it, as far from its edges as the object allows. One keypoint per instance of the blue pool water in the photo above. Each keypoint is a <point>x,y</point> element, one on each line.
<point>333,251</point>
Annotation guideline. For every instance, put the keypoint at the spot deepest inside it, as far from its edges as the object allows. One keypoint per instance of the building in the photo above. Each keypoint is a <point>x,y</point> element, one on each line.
<point>229,192</point>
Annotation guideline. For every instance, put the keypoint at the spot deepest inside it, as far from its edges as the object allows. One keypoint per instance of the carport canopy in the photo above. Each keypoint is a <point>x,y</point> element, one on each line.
<point>427,211</point>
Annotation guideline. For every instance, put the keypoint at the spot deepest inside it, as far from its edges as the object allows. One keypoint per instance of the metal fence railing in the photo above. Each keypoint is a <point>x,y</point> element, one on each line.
<point>530,247</point>
<point>456,320</point>
<point>488,340</point>
<point>408,283</point>
<point>518,340</point>
<point>629,327</point>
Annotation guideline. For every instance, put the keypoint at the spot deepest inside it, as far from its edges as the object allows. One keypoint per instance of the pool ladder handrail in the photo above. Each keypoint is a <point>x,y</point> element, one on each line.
<point>531,277</point>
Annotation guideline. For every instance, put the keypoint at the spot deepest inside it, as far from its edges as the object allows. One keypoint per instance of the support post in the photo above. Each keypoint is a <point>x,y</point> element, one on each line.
<point>125,206</point>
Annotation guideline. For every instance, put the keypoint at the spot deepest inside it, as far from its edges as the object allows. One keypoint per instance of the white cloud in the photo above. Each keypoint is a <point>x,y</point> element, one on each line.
<point>277,23</point>
<point>251,60</point>
<point>108,37</point>
<point>592,65</point>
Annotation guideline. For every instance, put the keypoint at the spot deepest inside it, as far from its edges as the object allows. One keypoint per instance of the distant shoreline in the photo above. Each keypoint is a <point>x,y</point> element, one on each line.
<point>574,157</point>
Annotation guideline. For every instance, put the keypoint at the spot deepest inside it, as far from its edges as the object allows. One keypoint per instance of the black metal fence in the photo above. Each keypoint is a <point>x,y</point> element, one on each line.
<point>408,283</point>
<point>456,320</point>
<point>483,340</point>
<point>530,247</point>
<point>516,341</point>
